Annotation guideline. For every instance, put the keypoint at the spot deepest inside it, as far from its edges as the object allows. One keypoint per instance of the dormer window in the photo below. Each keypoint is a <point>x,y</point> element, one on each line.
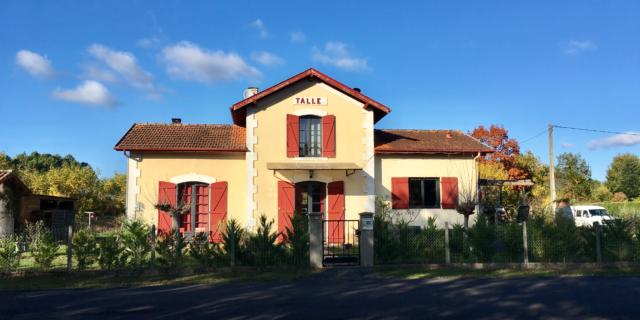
<point>310,136</point>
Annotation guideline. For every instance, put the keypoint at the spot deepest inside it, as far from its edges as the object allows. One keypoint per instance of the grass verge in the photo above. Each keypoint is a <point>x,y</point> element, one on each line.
<point>103,279</point>
<point>424,272</point>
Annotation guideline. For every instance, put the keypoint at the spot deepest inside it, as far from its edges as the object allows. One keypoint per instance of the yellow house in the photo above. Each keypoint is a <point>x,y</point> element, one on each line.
<point>307,144</point>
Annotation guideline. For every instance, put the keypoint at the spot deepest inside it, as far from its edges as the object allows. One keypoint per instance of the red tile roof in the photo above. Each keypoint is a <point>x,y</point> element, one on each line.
<point>426,141</point>
<point>238,110</point>
<point>183,138</point>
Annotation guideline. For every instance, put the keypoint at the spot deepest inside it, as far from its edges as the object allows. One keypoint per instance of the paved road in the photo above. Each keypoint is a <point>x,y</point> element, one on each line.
<point>343,294</point>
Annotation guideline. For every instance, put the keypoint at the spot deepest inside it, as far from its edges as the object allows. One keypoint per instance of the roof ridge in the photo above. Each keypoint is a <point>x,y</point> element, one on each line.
<point>187,124</point>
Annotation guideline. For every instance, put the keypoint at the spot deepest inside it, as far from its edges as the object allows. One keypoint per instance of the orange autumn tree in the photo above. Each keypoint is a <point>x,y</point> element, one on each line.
<point>506,150</point>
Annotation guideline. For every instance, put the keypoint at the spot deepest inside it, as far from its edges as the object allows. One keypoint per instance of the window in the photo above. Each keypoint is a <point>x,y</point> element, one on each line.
<point>194,197</point>
<point>310,136</point>
<point>424,193</point>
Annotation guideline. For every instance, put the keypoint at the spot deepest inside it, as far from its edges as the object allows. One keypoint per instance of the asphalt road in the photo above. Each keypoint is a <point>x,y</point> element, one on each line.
<point>343,294</point>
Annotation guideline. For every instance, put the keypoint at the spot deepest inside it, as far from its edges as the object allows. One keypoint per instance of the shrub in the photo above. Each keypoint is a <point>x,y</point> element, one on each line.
<point>619,197</point>
<point>482,238</point>
<point>9,254</point>
<point>261,245</point>
<point>297,237</point>
<point>41,244</point>
<point>135,242</point>
<point>110,252</point>
<point>203,252</point>
<point>232,241</point>
<point>85,248</point>
<point>169,249</point>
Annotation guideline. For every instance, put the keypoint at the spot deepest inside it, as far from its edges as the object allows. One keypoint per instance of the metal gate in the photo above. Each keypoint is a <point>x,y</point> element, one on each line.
<point>340,245</point>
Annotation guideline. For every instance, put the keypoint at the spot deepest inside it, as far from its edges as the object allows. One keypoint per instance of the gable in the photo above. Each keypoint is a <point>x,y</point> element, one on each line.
<point>239,110</point>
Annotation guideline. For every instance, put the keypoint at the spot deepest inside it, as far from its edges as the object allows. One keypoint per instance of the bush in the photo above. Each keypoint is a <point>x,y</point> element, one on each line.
<point>41,244</point>
<point>9,254</point>
<point>85,248</point>
<point>169,249</point>
<point>205,253</point>
<point>297,237</point>
<point>233,242</point>
<point>482,238</point>
<point>135,242</point>
<point>111,253</point>
<point>619,197</point>
<point>261,245</point>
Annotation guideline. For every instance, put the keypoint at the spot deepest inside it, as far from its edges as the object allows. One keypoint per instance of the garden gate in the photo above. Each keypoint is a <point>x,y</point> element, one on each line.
<point>340,245</point>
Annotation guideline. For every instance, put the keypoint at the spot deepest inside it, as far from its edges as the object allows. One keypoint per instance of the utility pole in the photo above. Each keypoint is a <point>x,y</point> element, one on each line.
<point>552,175</point>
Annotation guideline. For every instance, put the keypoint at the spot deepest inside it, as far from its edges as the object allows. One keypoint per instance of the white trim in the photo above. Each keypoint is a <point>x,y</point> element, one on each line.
<point>369,171</point>
<point>133,189</point>
<point>310,158</point>
<point>192,177</point>
<point>310,112</point>
<point>250,161</point>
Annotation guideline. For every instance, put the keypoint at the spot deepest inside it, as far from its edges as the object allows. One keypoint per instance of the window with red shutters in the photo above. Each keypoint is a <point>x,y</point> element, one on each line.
<point>293,135</point>
<point>218,207</point>
<point>329,136</point>
<point>166,195</point>
<point>400,193</point>
<point>449,192</point>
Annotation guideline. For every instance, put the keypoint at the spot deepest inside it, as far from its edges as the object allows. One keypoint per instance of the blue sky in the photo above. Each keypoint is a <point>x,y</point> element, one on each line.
<point>76,74</point>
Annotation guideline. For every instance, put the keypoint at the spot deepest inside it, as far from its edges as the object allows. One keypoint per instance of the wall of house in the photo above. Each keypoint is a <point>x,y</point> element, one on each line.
<point>266,128</point>
<point>150,168</point>
<point>432,166</point>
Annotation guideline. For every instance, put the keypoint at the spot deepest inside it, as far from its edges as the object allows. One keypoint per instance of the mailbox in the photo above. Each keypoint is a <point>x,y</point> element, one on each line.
<point>367,223</point>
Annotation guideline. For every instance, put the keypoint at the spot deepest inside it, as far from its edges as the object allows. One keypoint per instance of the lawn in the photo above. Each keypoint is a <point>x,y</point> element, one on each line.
<point>421,272</point>
<point>107,279</point>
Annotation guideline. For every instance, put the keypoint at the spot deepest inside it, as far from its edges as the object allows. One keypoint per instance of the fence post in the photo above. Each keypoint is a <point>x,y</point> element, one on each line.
<point>153,245</point>
<point>525,243</point>
<point>69,250</point>
<point>598,244</point>
<point>232,253</point>
<point>447,253</point>
<point>366,243</point>
<point>316,238</point>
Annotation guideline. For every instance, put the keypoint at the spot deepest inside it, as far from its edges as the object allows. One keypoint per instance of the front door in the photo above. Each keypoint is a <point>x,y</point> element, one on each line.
<point>310,197</point>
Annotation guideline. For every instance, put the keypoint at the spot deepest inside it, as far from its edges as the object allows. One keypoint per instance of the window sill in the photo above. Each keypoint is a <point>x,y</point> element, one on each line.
<point>310,158</point>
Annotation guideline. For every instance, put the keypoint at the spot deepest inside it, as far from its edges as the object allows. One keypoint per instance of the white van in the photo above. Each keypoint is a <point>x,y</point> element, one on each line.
<point>589,215</point>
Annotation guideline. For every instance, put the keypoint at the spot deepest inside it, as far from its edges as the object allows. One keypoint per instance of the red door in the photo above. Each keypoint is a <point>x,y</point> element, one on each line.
<point>335,211</point>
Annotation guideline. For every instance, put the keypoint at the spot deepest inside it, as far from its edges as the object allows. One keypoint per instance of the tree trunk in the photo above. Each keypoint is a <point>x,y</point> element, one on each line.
<point>466,221</point>
<point>176,224</point>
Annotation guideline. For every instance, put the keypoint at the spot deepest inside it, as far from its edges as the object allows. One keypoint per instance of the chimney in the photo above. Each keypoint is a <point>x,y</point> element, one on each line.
<point>357,89</point>
<point>176,121</point>
<point>248,92</point>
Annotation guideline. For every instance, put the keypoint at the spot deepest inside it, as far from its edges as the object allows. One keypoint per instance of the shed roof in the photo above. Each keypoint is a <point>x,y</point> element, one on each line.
<point>410,141</point>
<point>183,138</point>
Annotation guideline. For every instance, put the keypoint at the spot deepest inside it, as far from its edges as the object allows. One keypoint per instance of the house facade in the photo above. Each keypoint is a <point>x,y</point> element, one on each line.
<point>307,144</point>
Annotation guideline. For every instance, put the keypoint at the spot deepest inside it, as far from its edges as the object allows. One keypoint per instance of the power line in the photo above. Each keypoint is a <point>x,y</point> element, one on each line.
<point>537,135</point>
<point>598,131</point>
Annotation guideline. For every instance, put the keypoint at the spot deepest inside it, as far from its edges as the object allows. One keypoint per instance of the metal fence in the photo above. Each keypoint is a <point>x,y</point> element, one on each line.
<point>507,243</point>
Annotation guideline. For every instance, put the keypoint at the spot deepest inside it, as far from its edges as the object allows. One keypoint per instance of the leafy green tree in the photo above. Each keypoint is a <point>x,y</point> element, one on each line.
<point>41,244</point>
<point>602,194</point>
<point>9,253</point>
<point>623,175</point>
<point>111,194</point>
<point>573,176</point>
<point>43,162</point>
<point>134,239</point>
<point>5,161</point>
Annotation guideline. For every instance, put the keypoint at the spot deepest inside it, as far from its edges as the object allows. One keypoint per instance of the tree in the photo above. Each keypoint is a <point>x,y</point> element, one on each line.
<point>623,175</point>
<point>573,176</point>
<point>506,149</point>
<point>111,194</point>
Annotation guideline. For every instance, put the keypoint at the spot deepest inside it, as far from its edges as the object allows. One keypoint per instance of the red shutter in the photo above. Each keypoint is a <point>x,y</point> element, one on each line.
<point>286,205</point>
<point>335,212</point>
<point>293,136</point>
<point>218,209</point>
<point>329,136</point>
<point>449,192</point>
<point>400,193</point>
<point>166,195</point>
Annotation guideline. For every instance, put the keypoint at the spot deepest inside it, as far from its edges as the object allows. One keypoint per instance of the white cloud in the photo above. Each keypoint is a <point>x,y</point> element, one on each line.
<point>266,58</point>
<point>187,61</point>
<point>575,47</point>
<point>624,139</point>
<point>260,27</point>
<point>337,54</point>
<point>89,92</point>
<point>37,65</point>
<point>151,42</point>
<point>96,73</point>
<point>566,145</point>
<point>125,64</point>
<point>297,37</point>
